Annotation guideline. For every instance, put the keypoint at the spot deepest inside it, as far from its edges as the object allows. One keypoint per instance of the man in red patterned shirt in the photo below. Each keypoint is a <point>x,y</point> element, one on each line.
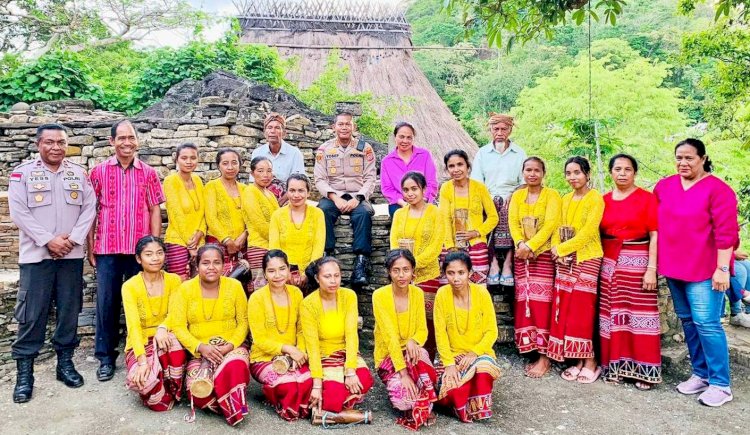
<point>128,194</point>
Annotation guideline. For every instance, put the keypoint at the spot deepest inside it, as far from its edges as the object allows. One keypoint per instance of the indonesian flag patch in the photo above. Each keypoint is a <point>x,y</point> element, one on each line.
<point>16,176</point>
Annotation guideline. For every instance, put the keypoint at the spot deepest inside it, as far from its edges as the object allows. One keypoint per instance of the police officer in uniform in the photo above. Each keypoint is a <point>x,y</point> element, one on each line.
<point>53,204</point>
<point>345,176</point>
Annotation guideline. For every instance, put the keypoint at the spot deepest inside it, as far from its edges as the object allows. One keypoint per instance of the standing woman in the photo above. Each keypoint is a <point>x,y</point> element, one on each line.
<point>154,358</point>
<point>298,229</point>
<point>185,212</point>
<point>577,249</point>
<point>258,204</point>
<point>273,315</point>
<point>628,305</point>
<point>209,317</point>
<point>225,224</point>
<point>465,330</point>
<point>459,195</point>
<point>406,158</point>
<point>329,322</point>
<point>400,332</point>
<point>533,216</point>
<point>698,233</point>
<point>419,228</point>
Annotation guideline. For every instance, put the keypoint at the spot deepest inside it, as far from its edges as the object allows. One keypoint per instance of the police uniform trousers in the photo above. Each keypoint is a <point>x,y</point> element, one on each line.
<point>361,224</point>
<point>42,284</point>
<point>111,271</point>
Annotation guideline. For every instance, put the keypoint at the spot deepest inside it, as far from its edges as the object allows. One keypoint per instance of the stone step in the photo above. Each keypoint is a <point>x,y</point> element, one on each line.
<point>739,345</point>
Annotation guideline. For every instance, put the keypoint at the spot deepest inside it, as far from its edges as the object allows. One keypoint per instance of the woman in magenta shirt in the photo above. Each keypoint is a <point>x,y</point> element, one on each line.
<point>404,158</point>
<point>698,233</point>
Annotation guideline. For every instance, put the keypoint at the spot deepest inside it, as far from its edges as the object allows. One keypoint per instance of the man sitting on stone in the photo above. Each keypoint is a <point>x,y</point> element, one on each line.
<point>53,204</point>
<point>286,159</point>
<point>345,176</point>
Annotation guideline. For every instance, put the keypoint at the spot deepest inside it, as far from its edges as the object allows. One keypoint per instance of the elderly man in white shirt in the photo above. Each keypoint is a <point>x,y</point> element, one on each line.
<point>499,166</point>
<point>285,159</point>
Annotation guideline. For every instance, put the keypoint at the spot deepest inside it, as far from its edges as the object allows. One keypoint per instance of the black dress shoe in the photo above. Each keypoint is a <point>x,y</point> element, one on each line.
<point>105,372</point>
<point>24,380</point>
<point>66,371</point>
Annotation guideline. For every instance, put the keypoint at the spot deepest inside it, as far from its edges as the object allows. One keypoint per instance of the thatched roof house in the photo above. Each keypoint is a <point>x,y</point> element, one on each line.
<point>374,41</point>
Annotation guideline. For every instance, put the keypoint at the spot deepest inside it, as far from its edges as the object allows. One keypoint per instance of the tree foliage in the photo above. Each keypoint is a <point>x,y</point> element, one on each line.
<point>35,27</point>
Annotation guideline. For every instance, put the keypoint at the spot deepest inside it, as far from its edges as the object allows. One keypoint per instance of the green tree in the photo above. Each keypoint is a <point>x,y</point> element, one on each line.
<point>636,113</point>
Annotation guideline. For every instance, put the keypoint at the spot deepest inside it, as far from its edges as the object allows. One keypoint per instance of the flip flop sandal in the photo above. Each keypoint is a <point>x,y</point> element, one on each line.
<point>507,280</point>
<point>570,374</point>
<point>494,279</point>
<point>643,386</point>
<point>586,376</point>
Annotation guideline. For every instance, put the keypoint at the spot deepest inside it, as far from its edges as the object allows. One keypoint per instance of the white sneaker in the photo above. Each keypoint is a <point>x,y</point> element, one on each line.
<point>741,319</point>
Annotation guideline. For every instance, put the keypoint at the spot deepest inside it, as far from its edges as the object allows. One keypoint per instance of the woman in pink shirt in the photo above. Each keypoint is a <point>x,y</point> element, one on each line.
<point>404,158</point>
<point>698,231</point>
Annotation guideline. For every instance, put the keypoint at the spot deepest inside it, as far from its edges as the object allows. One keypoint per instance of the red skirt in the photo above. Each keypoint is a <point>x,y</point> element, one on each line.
<point>471,399</point>
<point>230,381</point>
<point>178,261</point>
<point>574,310</point>
<point>535,283</point>
<point>430,288</point>
<point>288,393</point>
<point>164,382</point>
<point>335,395</point>
<point>254,257</point>
<point>480,262</point>
<point>629,326</point>
<point>414,412</point>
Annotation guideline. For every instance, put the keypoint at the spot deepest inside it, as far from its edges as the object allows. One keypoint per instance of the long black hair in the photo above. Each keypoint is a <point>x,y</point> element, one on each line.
<point>700,149</point>
<point>311,272</point>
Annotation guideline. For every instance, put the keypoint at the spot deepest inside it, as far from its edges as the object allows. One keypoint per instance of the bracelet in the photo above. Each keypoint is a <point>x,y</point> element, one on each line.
<point>142,364</point>
<point>223,242</point>
<point>317,388</point>
<point>350,375</point>
<point>651,267</point>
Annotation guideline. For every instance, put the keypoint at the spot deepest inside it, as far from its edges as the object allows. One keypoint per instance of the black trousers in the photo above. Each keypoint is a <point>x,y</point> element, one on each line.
<point>111,272</point>
<point>42,284</point>
<point>361,224</point>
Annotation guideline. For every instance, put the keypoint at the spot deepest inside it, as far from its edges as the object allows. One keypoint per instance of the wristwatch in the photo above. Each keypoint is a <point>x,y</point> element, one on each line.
<point>723,268</point>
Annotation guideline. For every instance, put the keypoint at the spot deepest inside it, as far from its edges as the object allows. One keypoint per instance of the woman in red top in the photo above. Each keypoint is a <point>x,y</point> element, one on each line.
<point>628,310</point>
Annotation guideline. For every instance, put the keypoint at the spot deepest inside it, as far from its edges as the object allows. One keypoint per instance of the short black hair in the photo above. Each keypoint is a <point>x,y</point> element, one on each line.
<point>402,124</point>
<point>336,117</point>
<point>394,254</point>
<point>254,162</point>
<point>209,247</point>
<point>44,127</point>
<point>457,255</point>
<point>632,159</point>
<point>300,177</point>
<point>145,240</point>
<point>116,125</point>
<point>223,151</point>
<point>459,153</point>
<point>416,177</point>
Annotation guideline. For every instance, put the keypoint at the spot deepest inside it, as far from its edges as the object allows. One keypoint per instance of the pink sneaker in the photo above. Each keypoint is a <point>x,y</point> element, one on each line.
<point>715,396</point>
<point>694,385</point>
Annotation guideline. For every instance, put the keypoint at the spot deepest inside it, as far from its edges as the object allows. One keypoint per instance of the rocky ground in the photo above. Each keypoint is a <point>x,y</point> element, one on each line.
<point>522,406</point>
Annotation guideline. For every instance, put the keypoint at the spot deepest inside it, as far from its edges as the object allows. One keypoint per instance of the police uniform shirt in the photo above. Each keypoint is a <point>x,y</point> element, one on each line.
<point>342,170</point>
<point>45,203</point>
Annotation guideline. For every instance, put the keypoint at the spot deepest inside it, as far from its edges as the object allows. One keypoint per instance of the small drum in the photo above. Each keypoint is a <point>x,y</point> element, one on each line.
<point>566,232</point>
<point>282,364</point>
<point>203,382</point>
<point>461,223</point>
<point>407,244</point>
<point>347,416</point>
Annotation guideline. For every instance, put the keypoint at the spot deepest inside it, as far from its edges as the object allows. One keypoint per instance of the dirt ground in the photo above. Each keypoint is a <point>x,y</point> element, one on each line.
<point>522,406</point>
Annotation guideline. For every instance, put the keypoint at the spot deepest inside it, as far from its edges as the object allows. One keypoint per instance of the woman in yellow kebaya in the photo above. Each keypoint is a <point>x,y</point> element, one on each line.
<point>224,221</point>
<point>258,204</point>
<point>185,212</point>
<point>465,331</point>
<point>403,364</point>
<point>273,314</point>
<point>298,229</point>
<point>417,226</point>
<point>209,317</point>
<point>154,358</point>
<point>329,323</point>
<point>462,194</point>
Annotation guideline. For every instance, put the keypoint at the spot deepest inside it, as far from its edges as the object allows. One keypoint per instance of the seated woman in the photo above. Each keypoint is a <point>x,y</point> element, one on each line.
<point>465,330</point>
<point>154,357</point>
<point>577,250</point>
<point>329,322</point>
<point>185,205</point>
<point>533,215</point>
<point>418,228</point>
<point>468,214</point>
<point>209,317</point>
<point>273,315</point>
<point>298,229</point>
<point>400,332</point>
<point>258,204</point>
<point>223,198</point>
